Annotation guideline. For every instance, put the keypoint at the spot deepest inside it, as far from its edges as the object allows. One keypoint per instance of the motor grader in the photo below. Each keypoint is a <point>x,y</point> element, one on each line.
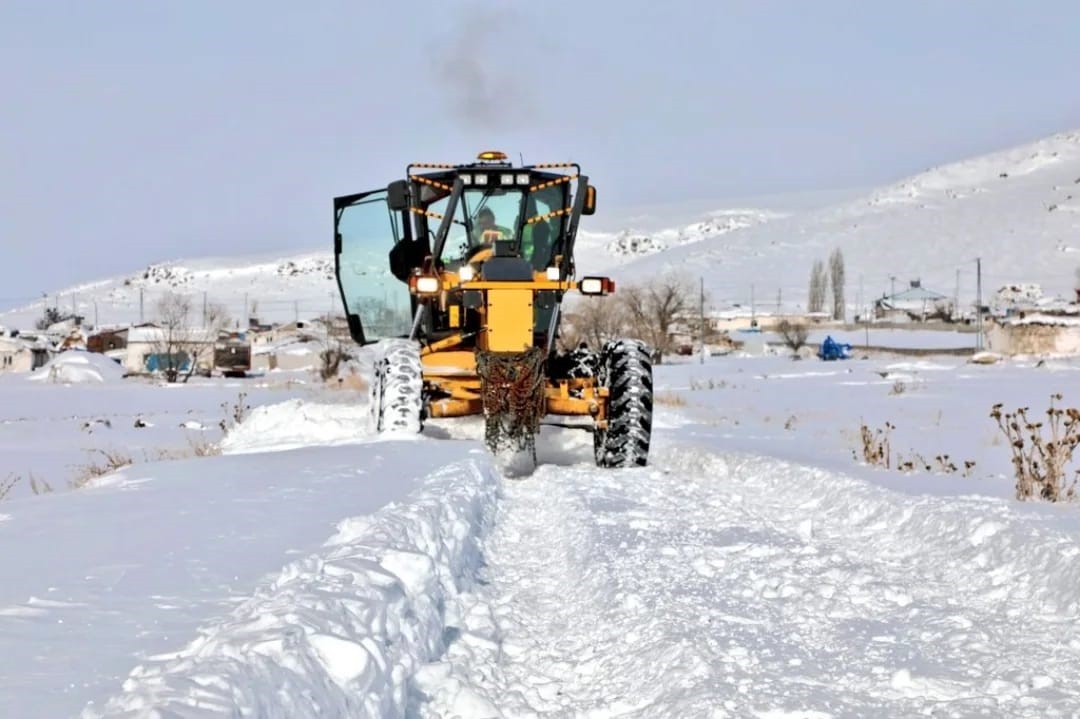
<point>457,275</point>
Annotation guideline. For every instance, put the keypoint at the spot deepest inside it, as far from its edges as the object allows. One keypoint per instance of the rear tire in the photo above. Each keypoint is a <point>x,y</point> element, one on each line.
<point>626,371</point>
<point>397,388</point>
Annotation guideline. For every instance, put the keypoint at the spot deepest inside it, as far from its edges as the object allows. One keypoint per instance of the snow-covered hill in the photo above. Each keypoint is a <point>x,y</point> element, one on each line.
<point>603,250</point>
<point>273,288</point>
<point>1018,210</point>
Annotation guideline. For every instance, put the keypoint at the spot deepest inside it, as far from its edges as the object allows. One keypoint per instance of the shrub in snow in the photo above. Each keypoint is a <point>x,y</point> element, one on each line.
<point>1041,462</point>
<point>794,334</point>
<point>875,445</point>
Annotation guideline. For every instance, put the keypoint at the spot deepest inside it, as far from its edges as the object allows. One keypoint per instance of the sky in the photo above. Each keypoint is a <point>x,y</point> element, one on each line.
<point>135,132</point>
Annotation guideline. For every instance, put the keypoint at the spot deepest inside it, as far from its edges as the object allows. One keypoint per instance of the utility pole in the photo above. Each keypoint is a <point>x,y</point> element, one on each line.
<point>892,285</point>
<point>753,313</point>
<point>701,317</point>
<point>244,320</point>
<point>141,306</point>
<point>95,315</point>
<point>204,309</point>
<point>296,311</point>
<point>863,312</point>
<point>956,294</point>
<point>978,303</point>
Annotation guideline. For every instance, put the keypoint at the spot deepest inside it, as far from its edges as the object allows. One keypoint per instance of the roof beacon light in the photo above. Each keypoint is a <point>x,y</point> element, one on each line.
<point>491,156</point>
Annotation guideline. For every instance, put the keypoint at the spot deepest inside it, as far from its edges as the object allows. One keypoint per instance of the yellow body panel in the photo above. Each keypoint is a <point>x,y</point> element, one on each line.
<point>509,320</point>
<point>459,365</point>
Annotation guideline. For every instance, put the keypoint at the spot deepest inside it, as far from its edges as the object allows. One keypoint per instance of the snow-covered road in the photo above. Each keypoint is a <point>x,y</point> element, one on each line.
<point>746,587</point>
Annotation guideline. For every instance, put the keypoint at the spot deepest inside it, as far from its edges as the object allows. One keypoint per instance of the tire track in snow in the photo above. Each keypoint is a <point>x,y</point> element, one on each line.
<point>752,587</point>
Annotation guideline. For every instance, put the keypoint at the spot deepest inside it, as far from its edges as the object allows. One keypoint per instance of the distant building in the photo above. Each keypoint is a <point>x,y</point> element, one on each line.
<point>1047,332</point>
<point>916,303</point>
<point>21,355</point>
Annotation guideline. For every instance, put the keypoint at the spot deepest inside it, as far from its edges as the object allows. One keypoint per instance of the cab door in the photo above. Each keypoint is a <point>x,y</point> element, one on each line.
<point>377,304</point>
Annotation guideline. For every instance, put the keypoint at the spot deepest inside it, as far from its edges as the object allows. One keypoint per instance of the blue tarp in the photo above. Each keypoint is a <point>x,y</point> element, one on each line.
<point>159,362</point>
<point>833,350</point>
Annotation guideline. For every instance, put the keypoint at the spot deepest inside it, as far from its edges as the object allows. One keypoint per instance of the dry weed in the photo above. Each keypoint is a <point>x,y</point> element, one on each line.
<point>669,400</point>
<point>8,484</point>
<point>111,460</point>
<point>1040,462</point>
<point>875,445</point>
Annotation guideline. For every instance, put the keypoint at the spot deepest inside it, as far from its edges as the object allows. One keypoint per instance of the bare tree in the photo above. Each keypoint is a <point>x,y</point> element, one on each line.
<point>593,321</point>
<point>818,287</point>
<point>653,308</point>
<point>794,334</point>
<point>332,355</point>
<point>836,271</point>
<point>180,348</point>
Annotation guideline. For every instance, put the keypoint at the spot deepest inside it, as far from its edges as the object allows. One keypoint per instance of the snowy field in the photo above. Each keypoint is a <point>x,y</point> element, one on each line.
<point>756,569</point>
<point>876,337</point>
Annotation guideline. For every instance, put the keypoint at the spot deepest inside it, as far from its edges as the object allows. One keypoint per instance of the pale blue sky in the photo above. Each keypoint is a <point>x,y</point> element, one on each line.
<point>132,132</point>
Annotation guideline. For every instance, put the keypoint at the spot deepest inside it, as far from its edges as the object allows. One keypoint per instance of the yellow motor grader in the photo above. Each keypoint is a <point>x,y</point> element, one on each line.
<point>457,274</point>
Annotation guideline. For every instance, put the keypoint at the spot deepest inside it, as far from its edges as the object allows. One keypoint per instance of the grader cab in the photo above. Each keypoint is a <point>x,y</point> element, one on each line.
<point>457,274</point>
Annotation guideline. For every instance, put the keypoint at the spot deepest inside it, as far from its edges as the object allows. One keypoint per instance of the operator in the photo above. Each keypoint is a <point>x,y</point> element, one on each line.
<point>536,239</point>
<point>485,223</point>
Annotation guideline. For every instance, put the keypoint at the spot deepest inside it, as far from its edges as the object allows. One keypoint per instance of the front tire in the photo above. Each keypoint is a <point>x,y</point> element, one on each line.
<point>626,371</point>
<point>397,388</point>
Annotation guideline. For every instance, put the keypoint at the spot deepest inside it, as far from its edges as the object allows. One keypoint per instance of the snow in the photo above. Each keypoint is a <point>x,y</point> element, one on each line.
<point>76,366</point>
<point>297,423</point>
<point>752,570</point>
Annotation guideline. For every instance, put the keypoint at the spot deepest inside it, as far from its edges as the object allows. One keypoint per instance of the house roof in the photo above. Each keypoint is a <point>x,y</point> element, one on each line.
<point>15,344</point>
<point>914,297</point>
<point>149,335</point>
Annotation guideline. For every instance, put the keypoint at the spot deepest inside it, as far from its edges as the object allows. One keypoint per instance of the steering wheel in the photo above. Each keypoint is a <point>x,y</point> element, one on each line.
<point>476,250</point>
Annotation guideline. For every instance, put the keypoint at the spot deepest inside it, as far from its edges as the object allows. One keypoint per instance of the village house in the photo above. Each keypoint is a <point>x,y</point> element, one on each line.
<point>22,355</point>
<point>915,304</point>
<point>146,347</point>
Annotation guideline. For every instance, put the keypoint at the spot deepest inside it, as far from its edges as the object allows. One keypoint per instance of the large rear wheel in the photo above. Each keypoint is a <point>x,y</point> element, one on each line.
<point>626,371</point>
<point>397,388</point>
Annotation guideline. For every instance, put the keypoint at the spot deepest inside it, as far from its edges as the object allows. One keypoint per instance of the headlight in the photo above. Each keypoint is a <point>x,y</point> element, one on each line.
<point>466,179</point>
<point>427,285</point>
<point>591,286</point>
<point>523,179</point>
<point>553,274</point>
<point>596,286</point>
<point>479,179</point>
<point>467,273</point>
<point>506,179</point>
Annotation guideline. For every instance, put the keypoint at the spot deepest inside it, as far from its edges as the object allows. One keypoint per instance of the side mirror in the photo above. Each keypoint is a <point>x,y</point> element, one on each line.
<point>590,201</point>
<point>397,195</point>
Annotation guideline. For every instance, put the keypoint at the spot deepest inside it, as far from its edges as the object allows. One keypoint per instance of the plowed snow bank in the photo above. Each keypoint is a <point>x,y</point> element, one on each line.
<point>339,632</point>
